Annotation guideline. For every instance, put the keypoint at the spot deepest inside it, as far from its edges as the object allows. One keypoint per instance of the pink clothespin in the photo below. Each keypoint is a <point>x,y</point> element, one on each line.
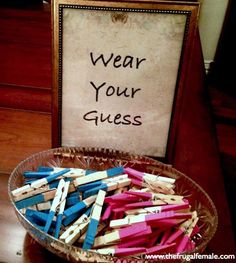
<point>148,218</point>
<point>161,249</point>
<point>153,209</point>
<point>161,198</point>
<point>119,252</point>
<point>183,244</point>
<point>141,176</point>
<point>121,198</point>
<point>119,235</point>
<point>182,228</point>
<point>165,224</point>
<point>152,239</point>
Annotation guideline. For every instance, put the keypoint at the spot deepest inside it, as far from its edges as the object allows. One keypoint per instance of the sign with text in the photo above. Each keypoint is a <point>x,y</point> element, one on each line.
<point>117,74</point>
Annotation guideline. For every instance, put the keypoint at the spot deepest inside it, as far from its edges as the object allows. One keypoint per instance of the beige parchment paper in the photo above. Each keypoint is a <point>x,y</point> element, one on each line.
<point>146,50</point>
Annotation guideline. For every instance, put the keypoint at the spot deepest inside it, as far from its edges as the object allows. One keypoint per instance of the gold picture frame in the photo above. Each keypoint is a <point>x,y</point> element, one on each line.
<point>119,73</point>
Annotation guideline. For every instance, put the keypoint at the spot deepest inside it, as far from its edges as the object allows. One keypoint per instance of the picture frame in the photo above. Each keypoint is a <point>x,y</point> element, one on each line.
<point>119,73</point>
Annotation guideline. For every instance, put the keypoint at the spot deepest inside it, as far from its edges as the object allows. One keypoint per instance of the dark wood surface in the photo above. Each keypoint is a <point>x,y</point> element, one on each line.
<point>25,55</point>
<point>25,132</point>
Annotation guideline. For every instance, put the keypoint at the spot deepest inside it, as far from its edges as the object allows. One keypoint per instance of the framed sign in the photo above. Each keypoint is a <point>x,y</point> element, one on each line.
<point>119,72</point>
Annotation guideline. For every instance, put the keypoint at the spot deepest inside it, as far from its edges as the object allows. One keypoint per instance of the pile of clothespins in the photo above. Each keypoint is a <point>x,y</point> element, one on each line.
<point>119,211</point>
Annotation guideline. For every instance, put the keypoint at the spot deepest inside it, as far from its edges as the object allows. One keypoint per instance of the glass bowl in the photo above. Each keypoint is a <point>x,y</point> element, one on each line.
<point>100,159</point>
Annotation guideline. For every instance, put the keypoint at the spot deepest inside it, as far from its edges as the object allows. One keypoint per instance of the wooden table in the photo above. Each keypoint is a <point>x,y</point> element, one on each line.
<point>25,132</point>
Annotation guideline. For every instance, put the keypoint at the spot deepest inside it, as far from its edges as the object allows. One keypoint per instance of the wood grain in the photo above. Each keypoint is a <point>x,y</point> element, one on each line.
<point>22,133</point>
<point>25,98</point>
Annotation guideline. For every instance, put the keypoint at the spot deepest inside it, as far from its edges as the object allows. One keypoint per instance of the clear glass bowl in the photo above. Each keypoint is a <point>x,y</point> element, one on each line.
<point>100,159</point>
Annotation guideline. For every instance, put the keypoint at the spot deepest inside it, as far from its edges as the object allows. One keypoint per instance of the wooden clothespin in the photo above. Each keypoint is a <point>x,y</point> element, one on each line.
<point>44,206</point>
<point>98,176</point>
<point>109,186</point>
<point>77,229</point>
<point>61,207</point>
<point>38,183</point>
<point>181,246</point>
<point>94,220</point>
<point>121,252</point>
<point>181,229</point>
<point>122,198</point>
<point>100,228</point>
<point>156,209</point>
<point>161,198</point>
<point>119,235</point>
<point>54,205</point>
<point>148,218</point>
<point>161,249</point>
<point>143,176</point>
<point>46,196</point>
<point>80,206</point>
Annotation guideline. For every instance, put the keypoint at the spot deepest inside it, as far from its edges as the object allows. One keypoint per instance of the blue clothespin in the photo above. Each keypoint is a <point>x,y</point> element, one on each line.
<point>61,209</point>
<point>88,186</point>
<point>94,220</point>
<point>55,204</point>
<point>40,182</point>
<point>36,199</point>
<point>37,216</point>
<point>72,200</point>
<point>45,169</point>
<point>79,206</point>
<point>95,190</point>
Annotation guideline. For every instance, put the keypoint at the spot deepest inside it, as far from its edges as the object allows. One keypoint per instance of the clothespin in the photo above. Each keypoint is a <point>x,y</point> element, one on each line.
<point>122,198</point>
<point>98,176</point>
<point>80,206</point>
<point>161,249</point>
<point>100,228</point>
<point>38,183</point>
<point>31,193</point>
<point>70,219</point>
<point>161,198</point>
<point>61,209</point>
<point>121,190</point>
<point>136,239</point>
<point>181,229</point>
<point>157,186</point>
<point>119,235</point>
<point>46,196</point>
<point>77,229</point>
<point>181,247</point>
<point>139,175</point>
<point>73,199</point>
<point>106,213</point>
<point>133,242</point>
<point>146,176</point>
<point>110,186</point>
<point>148,218</point>
<point>47,171</point>
<point>55,204</point>
<point>38,217</point>
<point>92,185</point>
<point>94,220</point>
<point>88,186</point>
<point>155,209</point>
<point>120,252</point>
<point>43,181</point>
<point>44,206</point>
